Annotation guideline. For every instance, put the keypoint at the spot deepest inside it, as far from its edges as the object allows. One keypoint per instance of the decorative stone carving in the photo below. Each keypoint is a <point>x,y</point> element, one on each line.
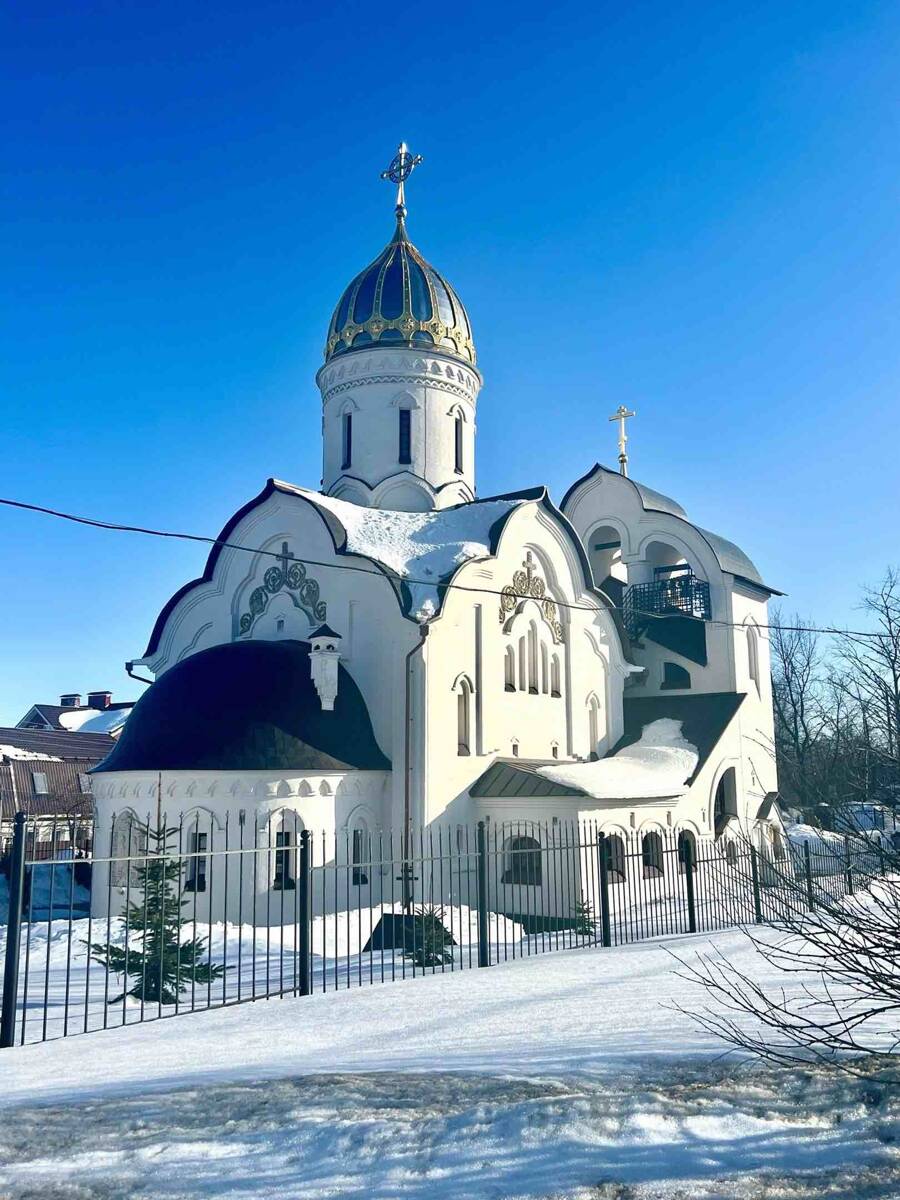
<point>528,585</point>
<point>292,577</point>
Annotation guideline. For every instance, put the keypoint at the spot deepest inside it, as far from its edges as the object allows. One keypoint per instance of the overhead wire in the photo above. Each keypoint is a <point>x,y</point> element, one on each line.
<point>178,535</point>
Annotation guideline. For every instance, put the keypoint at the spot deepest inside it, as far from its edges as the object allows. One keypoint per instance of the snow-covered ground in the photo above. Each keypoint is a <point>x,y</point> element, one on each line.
<point>572,1076</point>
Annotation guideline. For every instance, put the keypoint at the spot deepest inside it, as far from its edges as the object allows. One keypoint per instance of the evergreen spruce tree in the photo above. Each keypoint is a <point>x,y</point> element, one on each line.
<point>585,922</point>
<point>162,964</point>
<point>432,944</point>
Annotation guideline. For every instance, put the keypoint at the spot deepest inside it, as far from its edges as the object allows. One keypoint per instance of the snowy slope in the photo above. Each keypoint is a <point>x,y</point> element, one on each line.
<point>570,1077</point>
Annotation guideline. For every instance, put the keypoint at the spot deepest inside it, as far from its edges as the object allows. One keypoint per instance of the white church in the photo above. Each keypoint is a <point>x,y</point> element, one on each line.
<point>395,651</point>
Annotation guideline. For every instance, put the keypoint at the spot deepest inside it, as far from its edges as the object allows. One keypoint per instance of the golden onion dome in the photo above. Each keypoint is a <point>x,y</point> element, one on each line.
<point>400,300</point>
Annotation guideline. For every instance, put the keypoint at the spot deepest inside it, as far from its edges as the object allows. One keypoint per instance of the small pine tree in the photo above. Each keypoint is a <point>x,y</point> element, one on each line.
<point>585,922</point>
<point>163,964</point>
<point>432,944</point>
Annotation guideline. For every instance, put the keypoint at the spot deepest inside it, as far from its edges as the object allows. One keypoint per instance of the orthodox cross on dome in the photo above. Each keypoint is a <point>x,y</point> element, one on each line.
<point>621,415</point>
<point>402,166</point>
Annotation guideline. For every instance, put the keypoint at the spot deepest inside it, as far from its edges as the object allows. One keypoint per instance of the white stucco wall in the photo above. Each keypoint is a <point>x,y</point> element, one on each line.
<point>373,386</point>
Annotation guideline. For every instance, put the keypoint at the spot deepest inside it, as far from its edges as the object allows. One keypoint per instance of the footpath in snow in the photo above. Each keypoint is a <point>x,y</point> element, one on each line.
<point>572,1076</point>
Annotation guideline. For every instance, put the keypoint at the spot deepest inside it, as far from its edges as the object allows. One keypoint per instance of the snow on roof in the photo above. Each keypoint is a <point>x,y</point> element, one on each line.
<point>419,547</point>
<point>17,752</point>
<point>818,839</point>
<point>657,765</point>
<point>107,721</point>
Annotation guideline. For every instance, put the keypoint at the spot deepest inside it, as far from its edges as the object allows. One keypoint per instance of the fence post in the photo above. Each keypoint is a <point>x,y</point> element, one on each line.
<point>757,896</point>
<point>484,945</point>
<point>605,933</point>
<point>304,916</point>
<point>810,897</point>
<point>849,865</point>
<point>689,882</point>
<point>13,935</point>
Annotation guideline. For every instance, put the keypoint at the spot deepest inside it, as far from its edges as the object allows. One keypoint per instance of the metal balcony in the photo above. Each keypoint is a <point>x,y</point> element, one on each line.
<point>676,592</point>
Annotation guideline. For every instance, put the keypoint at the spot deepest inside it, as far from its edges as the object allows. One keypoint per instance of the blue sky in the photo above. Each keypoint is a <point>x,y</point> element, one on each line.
<point>689,208</point>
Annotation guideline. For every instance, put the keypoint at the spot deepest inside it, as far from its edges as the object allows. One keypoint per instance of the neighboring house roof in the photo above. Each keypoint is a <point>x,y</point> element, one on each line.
<point>107,720</point>
<point>703,718</point>
<point>55,744</point>
<point>246,706</point>
<point>48,715</point>
<point>731,558</point>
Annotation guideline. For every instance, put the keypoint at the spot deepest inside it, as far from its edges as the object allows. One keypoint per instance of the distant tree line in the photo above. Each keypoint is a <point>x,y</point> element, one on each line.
<point>837,708</point>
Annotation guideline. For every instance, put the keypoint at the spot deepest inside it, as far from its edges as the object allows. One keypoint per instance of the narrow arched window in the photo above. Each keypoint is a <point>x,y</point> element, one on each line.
<point>687,845</point>
<point>509,669</point>
<point>463,717</point>
<point>347,440</point>
<point>522,861</point>
<point>731,854</point>
<point>523,666</point>
<point>360,855</point>
<point>725,803</point>
<point>545,668</point>
<point>753,655</point>
<point>778,846</point>
<point>555,689</point>
<point>532,659</point>
<point>458,443</point>
<point>615,858</point>
<point>405,436</point>
<point>198,842</point>
<point>284,879</point>
<point>652,855</point>
<point>129,844</point>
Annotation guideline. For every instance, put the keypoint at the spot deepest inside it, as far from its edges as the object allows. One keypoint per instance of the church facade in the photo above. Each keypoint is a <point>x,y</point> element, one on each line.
<point>395,651</point>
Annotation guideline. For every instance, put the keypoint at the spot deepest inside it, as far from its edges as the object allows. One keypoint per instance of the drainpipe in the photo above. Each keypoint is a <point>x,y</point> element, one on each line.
<point>129,671</point>
<point>406,873</point>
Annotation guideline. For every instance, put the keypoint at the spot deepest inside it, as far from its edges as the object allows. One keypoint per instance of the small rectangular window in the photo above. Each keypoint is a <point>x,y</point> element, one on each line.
<point>84,782</point>
<point>196,872</point>
<point>405,453</point>
<point>347,439</point>
<point>39,779</point>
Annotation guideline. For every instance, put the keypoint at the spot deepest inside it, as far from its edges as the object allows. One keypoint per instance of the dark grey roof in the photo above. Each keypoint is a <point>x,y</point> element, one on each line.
<point>656,502</point>
<point>704,718</point>
<point>733,559</point>
<point>519,777</point>
<point>59,743</point>
<point>246,706</point>
<point>50,712</point>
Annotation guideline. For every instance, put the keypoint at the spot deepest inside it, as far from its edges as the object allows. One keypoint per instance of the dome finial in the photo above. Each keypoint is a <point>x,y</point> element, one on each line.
<point>402,166</point>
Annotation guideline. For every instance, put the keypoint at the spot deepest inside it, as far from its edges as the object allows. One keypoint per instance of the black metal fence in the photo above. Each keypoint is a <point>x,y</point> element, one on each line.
<point>198,914</point>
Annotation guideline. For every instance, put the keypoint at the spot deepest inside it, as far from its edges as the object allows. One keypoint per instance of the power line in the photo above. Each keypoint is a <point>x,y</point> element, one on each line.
<point>177,535</point>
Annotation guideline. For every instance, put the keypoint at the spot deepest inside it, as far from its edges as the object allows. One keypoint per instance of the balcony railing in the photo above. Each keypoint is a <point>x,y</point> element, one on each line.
<point>675,595</point>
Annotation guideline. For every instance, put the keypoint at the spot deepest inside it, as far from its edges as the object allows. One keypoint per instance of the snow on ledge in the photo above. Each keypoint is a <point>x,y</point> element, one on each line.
<point>656,766</point>
<point>421,546</point>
